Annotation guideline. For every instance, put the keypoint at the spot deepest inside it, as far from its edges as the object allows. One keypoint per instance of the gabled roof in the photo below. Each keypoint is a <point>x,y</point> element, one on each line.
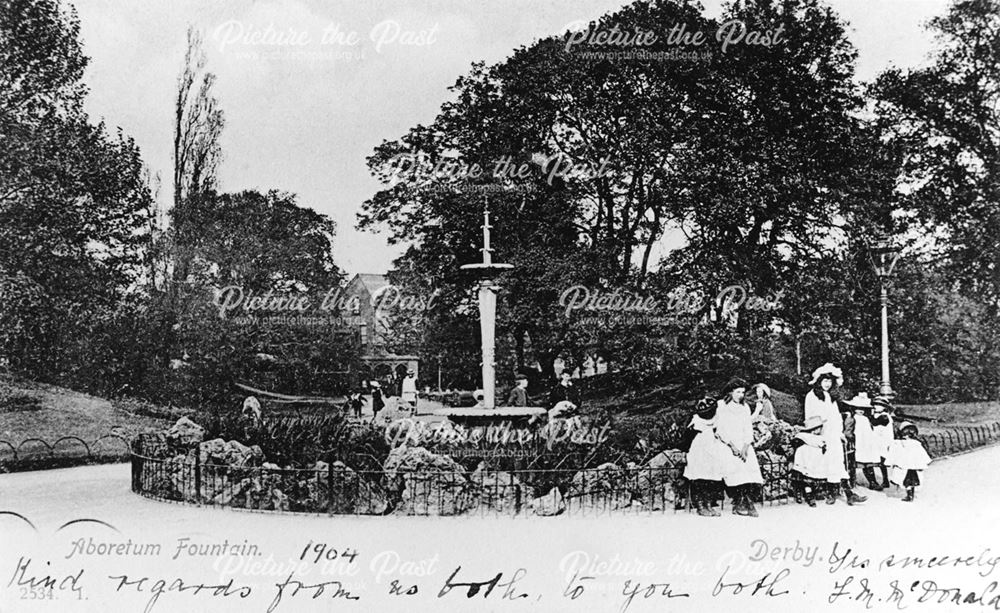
<point>371,282</point>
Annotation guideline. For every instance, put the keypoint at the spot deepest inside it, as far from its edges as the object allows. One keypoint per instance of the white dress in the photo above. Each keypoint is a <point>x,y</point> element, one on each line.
<point>810,460</point>
<point>868,446</point>
<point>733,425</point>
<point>885,436</point>
<point>833,428</point>
<point>707,456</point>
<point>906,454</point>
<point>409,390</point>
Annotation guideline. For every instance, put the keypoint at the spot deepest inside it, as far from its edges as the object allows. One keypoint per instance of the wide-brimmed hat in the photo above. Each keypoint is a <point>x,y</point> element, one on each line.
<point>829,370</point>
<point>520,377</point>
<point>906,425</point>
<point>812,422</point>
<point>705,408</point>
<point>883,402</point>
<point>732,384</point>
<point>860,401</point>
<point>375,384</point>
<point>763,386</point>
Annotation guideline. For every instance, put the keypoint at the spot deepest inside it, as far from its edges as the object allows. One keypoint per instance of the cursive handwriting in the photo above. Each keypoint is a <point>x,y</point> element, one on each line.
<point>765,584</point>
<point>158,587</point>
<point>648,591</point>
<point>474,587</point>
<point>336,588</point>
<point>20,578</point>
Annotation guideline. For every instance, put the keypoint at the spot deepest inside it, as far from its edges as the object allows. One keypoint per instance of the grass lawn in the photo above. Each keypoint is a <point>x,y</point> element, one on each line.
<point>48,412</point>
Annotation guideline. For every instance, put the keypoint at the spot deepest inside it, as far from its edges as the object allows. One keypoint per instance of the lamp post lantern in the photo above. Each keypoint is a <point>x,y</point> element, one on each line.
<point>487,270</point>
<point>884,256</point>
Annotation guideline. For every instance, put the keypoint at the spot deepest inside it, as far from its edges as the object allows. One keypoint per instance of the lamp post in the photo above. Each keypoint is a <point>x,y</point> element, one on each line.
<point>884,256</point>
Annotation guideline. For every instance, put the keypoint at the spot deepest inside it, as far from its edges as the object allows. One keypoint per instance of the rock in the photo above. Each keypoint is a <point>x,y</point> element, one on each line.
<point>549,504</point>
<point>654,483</point>
<point>185,433</point>
<point>279,501</point>
<point>426,483</point>
<point>352,494</point>
<point>499,491</point>
<point>605,487</point>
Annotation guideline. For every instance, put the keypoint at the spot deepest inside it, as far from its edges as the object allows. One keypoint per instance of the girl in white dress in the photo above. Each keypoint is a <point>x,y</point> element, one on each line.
<point>883,427</point>
<point>808,463</point>
<point>868,449</point>
<point>741,472</point>
<point>820,403</point>
<point>907,460</point>
<point>705,459</point>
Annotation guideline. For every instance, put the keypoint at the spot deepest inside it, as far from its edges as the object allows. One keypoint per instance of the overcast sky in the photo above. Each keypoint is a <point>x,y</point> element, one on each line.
<point>302,115</point>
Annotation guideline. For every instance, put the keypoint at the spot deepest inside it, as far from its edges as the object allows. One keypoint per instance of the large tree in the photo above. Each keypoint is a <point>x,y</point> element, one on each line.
<point>73,198</point>
<point>750,151</point>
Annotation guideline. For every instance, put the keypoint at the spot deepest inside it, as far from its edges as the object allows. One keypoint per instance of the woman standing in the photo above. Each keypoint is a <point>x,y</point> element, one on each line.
<point>741,472</point>
<point>705,458</point>
<point>820,403</point>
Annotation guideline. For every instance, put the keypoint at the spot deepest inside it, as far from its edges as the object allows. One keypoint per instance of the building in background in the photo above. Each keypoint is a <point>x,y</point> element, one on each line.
<point>373,331</point>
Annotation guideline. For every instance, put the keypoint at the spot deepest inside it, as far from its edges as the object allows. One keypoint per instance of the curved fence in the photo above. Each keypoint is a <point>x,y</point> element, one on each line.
<point>337,488</point>
<point>36,453</point>
<point>956,440</point>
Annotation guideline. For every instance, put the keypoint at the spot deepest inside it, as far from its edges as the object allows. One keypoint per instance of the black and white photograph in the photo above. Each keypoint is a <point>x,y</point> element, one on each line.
<point>526,306</point>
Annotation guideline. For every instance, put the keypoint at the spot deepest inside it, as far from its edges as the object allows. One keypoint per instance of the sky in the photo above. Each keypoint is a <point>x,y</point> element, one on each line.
<point>310,87</point>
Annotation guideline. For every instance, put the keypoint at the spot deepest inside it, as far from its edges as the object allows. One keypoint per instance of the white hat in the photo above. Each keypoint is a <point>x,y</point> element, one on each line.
<point>861,401</point>
<point>375,384</point>
<point>763,386</point>
<point>827,369</point>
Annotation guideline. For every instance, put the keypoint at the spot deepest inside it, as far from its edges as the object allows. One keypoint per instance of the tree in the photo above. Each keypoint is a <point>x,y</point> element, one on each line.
<point>945,117</point>
<point>751,153</point>
<point>72,197</point>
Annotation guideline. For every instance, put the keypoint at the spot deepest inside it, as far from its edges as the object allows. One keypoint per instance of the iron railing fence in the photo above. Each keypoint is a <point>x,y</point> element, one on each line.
<point>36,453</point>
<point>337,488</point>
<point>962,438</point>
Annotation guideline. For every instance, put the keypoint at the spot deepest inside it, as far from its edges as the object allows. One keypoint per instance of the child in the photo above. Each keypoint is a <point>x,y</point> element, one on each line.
<point>882,426</point>
<point>809,462</point>
<point>907,458</point>
<point>868,446</point>
<point>733,426</point>
<point>705,458</point>
<point>355,403</point>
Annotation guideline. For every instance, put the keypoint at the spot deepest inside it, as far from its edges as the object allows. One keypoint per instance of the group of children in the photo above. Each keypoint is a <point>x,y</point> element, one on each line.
<point>836,438</point>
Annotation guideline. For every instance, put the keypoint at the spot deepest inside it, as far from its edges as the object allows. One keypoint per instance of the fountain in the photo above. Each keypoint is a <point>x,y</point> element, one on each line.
<point>487,271</point>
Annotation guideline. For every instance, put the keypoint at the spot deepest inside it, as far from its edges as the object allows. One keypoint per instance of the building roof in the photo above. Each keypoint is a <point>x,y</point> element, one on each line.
<point>372,282</point>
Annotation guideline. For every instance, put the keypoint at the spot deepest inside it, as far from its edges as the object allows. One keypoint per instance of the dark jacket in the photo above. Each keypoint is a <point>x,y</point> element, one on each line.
<point>518,398</point>
<point>377,403</point>
<point>563,392</point>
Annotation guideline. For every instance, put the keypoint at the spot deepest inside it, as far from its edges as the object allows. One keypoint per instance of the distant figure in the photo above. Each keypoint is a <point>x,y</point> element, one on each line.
<point>564,390</point>
<point>519,395</point>
<point>377,403</point>
<point>251,409</point>
<point>763,409</point>
<point>355,403</point>
<point>408,390</point>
